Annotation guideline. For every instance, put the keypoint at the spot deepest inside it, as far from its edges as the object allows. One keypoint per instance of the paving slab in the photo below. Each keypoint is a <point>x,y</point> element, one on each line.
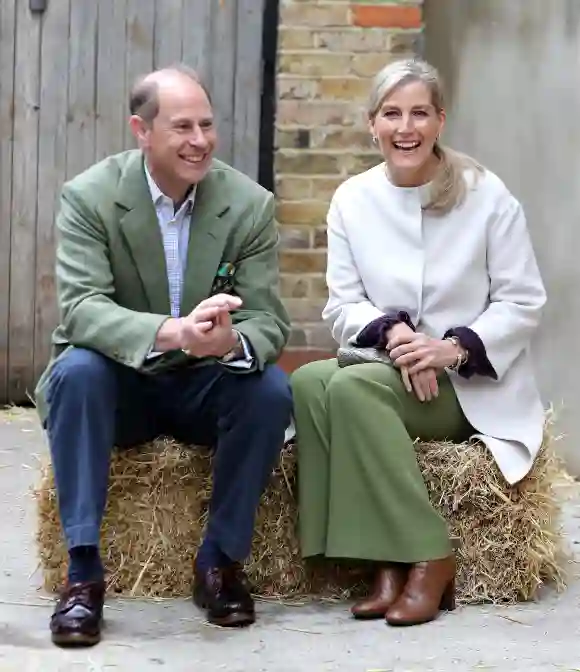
<point>146,635</point>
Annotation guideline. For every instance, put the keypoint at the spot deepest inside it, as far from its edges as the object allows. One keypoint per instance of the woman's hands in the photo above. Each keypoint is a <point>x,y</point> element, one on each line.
<point>418,352</point>
<point>420,358</point>
<point>425,385</point>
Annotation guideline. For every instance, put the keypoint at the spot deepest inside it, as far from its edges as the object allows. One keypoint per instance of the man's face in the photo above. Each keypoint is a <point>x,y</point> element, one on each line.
<point>180,141</point>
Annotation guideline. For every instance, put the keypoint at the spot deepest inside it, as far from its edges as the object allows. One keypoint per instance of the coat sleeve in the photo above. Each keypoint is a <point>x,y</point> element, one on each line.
<point>348,309</point>
<point>516,294</point>
<point>85,289</point>
<point>262,319</point>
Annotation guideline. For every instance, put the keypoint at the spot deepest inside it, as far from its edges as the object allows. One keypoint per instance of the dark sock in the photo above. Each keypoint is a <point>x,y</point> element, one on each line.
<point>210,555</point>
<point>85,564</point>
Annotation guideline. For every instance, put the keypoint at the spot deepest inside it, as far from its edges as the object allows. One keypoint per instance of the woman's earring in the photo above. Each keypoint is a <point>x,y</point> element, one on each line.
<point>375,141</point>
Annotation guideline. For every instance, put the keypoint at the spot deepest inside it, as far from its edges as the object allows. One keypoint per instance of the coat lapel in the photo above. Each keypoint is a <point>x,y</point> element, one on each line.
<point>207,239</point>
<point>207,236</point>
<point>140,228</point>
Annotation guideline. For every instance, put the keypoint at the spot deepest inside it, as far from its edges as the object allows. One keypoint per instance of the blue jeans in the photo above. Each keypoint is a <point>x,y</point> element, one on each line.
<point>96,404</point>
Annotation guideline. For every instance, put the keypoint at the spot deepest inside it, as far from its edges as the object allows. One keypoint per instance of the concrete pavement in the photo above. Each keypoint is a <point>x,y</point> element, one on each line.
<point>172,635</point>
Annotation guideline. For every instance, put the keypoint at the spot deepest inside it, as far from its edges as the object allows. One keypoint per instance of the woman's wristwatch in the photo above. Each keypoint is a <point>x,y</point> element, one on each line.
<point>462,354</point>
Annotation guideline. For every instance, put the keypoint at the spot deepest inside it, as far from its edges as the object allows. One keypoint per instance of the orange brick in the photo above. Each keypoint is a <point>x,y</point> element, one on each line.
<point>386,16</point>
<point>292,359</point>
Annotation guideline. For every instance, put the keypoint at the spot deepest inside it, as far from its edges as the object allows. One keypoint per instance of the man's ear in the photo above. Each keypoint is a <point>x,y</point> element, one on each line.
<point>139,128</point>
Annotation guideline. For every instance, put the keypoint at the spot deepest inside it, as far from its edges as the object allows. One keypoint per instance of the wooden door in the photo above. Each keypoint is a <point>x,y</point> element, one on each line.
<point>64,80</point>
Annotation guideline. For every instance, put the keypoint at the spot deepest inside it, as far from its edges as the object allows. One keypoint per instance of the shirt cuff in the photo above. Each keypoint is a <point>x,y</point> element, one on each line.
<point>374,335</point>
<point>477,361</point>
<point>241,361</point>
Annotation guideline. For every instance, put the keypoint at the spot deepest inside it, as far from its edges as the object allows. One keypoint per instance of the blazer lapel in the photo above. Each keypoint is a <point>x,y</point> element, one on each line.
<point>139,226</point>
<point>207,239</point>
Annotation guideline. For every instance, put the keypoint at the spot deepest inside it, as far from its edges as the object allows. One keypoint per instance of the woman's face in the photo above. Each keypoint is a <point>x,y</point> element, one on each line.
<point>406,127</point>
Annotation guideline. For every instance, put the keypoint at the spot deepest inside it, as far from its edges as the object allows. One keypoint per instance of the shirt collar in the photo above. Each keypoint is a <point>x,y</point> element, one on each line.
<point>157,194</point>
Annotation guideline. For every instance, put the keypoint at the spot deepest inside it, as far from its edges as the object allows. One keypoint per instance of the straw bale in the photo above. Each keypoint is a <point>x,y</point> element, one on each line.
<point>509,539</point>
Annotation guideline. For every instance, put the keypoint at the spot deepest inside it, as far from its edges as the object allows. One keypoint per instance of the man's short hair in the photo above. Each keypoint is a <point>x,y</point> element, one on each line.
<point>144,95</point>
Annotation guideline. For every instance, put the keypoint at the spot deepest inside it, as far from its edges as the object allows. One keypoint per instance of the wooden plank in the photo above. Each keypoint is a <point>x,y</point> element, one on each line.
<point>140,48</point>
<point>52,145</point>
<point>248,87</point>
<point>223,71</point>
<point>7,46</point>
<point>196,36</point>
<point>168,23</point>
<point>111,101</point>
<point>23,227</point>
<point>81,87</point>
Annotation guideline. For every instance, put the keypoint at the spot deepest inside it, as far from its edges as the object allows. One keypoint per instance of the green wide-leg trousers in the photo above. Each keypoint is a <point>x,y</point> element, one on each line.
<point>361,492</point>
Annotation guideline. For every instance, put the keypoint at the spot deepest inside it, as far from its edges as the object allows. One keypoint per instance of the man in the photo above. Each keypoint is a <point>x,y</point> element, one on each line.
<point>166,277</point>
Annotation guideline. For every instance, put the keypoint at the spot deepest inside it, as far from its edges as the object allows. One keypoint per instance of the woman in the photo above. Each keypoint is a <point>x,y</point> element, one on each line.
<point>429,258</point>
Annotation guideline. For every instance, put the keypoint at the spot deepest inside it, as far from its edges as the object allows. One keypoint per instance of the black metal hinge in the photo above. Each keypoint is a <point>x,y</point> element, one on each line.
<point>37,5</point>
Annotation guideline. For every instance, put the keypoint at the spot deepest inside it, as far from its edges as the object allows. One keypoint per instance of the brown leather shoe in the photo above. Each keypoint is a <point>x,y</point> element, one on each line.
<point>78,615</point>
<point>389,584</point>
<point>430,588</point>
<point>225,600</point>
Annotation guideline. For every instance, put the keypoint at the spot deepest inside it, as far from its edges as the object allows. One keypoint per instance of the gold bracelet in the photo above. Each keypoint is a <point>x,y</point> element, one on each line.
<point>461,358</point>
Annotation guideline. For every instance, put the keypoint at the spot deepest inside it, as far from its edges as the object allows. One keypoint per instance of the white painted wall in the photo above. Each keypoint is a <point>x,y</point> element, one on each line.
<point>512,71</point>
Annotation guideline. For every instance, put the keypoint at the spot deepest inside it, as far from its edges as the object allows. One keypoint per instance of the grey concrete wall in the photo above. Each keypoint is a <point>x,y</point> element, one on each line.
<point>512,72</point>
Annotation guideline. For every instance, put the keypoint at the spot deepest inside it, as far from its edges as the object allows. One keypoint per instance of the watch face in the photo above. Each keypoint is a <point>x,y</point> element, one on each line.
<point>231,354</point>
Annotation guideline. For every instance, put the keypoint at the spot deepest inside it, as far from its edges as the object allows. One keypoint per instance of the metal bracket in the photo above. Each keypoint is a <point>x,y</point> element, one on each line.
<point>37,5</point>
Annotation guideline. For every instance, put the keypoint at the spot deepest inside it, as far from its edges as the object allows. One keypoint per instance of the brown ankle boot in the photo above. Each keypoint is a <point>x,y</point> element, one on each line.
<point>430,587</point>
<point>389,583</point>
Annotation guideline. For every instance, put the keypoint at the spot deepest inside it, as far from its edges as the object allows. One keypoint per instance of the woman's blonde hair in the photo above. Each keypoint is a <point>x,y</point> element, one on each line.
<point>449,186</point>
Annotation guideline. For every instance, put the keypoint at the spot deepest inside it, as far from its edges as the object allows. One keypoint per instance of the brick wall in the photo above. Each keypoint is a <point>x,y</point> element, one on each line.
<point>328,50</point>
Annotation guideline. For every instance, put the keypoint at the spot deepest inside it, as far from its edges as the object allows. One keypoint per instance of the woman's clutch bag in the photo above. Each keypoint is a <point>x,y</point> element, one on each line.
<point>352,355</point>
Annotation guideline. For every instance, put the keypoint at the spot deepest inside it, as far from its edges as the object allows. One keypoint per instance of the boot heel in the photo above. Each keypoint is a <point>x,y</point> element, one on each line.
<point>448,597</point>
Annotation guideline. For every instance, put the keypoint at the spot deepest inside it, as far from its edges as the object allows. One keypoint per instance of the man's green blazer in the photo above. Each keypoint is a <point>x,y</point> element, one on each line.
<point>111,276</point>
